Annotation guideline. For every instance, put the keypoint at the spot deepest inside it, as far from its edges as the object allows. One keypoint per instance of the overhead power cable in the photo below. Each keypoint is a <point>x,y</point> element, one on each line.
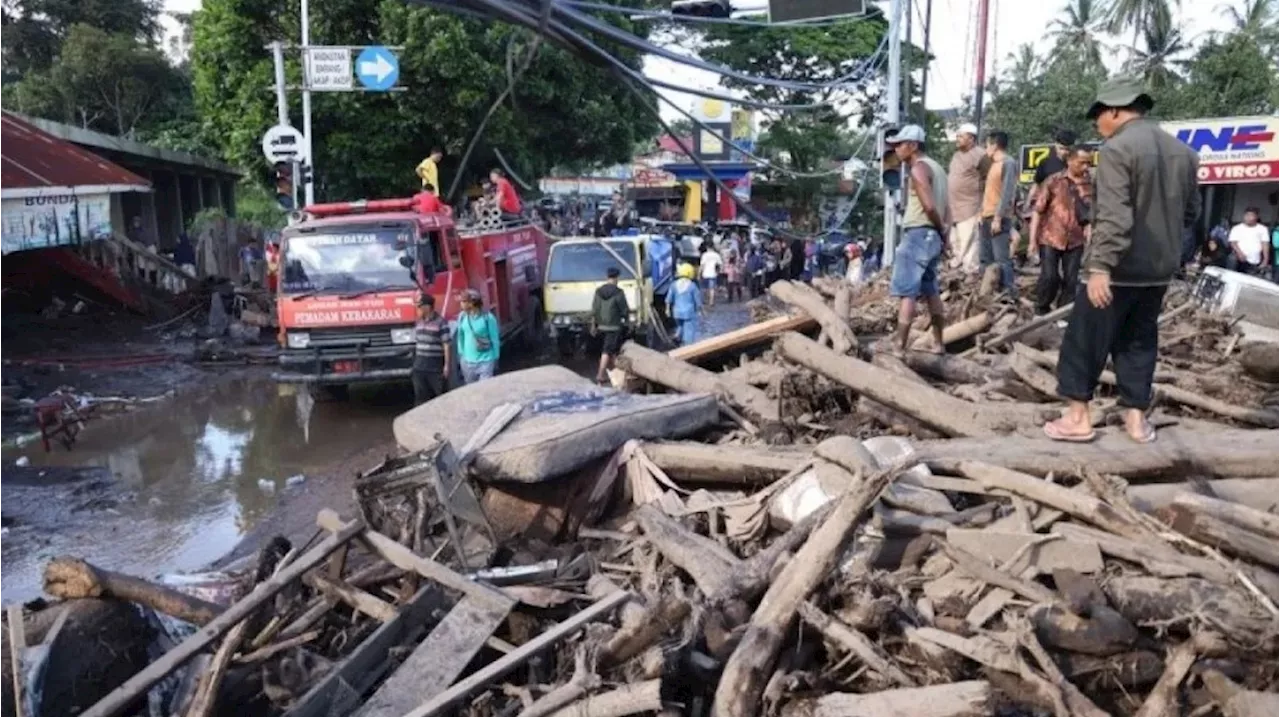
<point>659,15</point>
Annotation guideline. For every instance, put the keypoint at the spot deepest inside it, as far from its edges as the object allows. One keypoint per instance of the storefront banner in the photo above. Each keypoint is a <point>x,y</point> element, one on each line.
<point>56,220</point>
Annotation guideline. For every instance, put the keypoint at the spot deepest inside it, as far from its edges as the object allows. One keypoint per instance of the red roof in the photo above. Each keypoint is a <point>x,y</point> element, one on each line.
<point>31,158</point>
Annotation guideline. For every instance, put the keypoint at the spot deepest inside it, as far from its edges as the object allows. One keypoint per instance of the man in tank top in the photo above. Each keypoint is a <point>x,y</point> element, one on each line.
<point>924,226</point>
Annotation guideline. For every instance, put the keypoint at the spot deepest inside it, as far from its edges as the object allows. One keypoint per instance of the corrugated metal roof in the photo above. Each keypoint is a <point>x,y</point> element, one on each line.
<point>31,158</point>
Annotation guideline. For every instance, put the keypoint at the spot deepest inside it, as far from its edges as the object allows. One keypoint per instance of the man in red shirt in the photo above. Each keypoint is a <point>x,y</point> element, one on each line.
<point>428,203</point>
<point>508,200</point>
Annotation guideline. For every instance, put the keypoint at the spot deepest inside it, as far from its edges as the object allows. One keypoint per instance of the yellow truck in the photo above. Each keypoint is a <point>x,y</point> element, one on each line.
<point>577,266</point>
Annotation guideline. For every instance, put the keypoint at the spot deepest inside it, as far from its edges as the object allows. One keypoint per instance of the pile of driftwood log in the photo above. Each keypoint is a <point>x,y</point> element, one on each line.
<point>863,535</point>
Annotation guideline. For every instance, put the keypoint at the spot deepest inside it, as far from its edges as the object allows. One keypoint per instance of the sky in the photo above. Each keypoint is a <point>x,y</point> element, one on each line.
<point>1013,22</point>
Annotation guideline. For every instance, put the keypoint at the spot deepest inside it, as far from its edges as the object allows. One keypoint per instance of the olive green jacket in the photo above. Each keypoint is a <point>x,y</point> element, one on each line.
<point>1145,193</point>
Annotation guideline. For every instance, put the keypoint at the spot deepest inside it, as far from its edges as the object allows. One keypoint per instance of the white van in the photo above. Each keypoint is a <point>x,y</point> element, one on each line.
<point>1256,301</point>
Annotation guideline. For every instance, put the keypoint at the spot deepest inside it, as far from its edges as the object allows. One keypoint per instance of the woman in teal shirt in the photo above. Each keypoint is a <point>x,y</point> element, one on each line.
<point>478,340</point>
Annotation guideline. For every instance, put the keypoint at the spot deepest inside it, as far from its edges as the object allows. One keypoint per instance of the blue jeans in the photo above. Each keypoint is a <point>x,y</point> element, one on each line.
<point>995,249</point>
<point>915,264</point>
<point>478,371</point>
<point>687,331</point>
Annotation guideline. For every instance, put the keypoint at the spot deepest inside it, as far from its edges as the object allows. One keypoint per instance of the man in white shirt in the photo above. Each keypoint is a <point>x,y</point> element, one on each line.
<point>1250,245</point>
<point>709,271</point>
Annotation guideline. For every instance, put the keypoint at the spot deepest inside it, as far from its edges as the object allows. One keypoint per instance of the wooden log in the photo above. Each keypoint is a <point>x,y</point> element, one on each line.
<point>748,668</point>
<point>1020,331</point>
<point>734,465</point>
<point>951,369</point>
<point>959,331</point>
<point>811,302</point>
<point>1227,453</point>
<point>949,415</point>
<point>1223,536</point>
<point>631,699</point>
<point>1261,361</point>
<point>855,642</point>
<point>1184,603</point>
<point>843,301</point>
<point>121,697</point>
<point>72,578</point>
<point>1267,418</point>
<point>1163,698</point>
<point>17,644</point>
<point>1101,632</point>
<point>673,373</point>
<point>1236,701</point>
<point>709,564</point>
<point>1241,516</point>
<point>743,338</point>
<point>1260,493</point>
<point>973,698</point>
<point>505,664</point>
<point>206,698</point>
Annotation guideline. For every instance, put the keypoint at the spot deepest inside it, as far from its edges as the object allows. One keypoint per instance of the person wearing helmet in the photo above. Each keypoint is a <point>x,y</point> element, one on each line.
<point>684,304</point>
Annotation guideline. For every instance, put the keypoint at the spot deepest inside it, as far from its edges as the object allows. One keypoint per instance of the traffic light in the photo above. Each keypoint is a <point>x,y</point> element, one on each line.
<point>702,8</point>
<point>890,165</point>
<point>284,185</point>
<point>305,175</point>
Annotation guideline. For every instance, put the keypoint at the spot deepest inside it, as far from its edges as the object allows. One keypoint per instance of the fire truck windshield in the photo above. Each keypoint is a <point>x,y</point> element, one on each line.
<point>347,259</point>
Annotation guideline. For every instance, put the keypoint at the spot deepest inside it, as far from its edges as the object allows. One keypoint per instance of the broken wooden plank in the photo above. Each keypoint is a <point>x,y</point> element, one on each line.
<point>1241,516</point>
<point>685,377</point>
<point>744,337</point>
<point>709,563</point>
<point>519,656</point>
<point>1223,536</point>
<point>124,695</point>
<point>17,644</point>
<point>438,660</point>
<point>811,302</point>
<point>1047,556</point>
<point>72,578</point>
<point>855,642</point>
<point>734,465</point>
<point>358,599</point>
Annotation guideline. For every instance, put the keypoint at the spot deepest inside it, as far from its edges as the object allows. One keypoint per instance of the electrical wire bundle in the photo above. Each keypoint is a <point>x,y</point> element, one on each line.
<point>564,23</point>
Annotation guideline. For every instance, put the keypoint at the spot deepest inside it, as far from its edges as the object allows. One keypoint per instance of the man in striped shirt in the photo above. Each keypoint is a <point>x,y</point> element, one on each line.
<point>432,357</point>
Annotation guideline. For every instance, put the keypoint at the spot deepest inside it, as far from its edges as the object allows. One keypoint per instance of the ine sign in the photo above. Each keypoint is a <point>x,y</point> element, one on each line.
<point>283,143</point>
<point>329,69</point>
<point>797,11</point>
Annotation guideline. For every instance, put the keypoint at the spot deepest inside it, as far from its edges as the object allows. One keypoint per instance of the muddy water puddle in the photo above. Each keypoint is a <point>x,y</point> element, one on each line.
<point>173,487</point>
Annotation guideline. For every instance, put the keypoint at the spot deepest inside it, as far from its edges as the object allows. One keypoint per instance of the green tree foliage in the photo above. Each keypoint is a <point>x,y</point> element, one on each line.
<point>32,31</point>
<point>1075,32</point>
<point>804,141</point>
<point>1228,76</point>
<point>1156,61</point>
<point>1031,107</point>
<point>564,111</point>
<point>1255,19</point>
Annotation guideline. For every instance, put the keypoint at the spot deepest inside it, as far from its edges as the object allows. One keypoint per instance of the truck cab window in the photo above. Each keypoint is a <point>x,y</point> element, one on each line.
<point>433,244</point>
<point>455,252</point>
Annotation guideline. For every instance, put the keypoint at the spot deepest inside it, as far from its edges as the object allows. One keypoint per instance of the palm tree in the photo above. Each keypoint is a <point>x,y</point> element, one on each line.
<point>1138,15</point>
<point>1163,43</point>
<point>1253,18</point>
<point>1024,65</point>
<point>1075,32</point>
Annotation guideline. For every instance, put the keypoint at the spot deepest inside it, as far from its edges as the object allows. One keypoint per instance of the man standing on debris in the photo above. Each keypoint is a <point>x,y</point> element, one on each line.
<point>1059,229</point>
<point>924,227</point>
<point>609,316</point>
<point>432,357</point>
<point>429,171</point>
<point>964,197</point>
<point>478,339</point>
<point>1145,193</point>
<point>999,202</point>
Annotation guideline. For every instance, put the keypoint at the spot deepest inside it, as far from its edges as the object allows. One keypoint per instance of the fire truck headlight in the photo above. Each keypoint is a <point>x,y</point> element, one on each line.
<point>402,336</point>
<point>298,339</point>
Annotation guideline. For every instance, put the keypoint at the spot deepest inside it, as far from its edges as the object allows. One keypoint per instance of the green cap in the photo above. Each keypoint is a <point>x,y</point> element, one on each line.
<point>1121,91</point>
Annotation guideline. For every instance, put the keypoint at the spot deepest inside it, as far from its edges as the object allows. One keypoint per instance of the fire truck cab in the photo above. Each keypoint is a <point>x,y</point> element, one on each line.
<point>351,274</point>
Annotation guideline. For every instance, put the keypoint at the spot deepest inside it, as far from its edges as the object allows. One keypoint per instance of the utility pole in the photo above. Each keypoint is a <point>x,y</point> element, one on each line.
<point>980,71</point>
<point>282,109</point>
<point>924,77</point>
<point>892,118</point>
<point>906,61</point>
<point>309,188</point>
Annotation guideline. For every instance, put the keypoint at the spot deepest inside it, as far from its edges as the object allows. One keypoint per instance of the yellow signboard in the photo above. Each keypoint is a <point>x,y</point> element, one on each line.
<point>1033,155</point>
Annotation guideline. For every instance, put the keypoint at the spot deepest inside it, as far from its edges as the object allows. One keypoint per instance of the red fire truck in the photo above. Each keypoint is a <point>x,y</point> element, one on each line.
<point>352,272</point>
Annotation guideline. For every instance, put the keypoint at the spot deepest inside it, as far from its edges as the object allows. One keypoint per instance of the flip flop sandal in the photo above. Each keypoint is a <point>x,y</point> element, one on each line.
<point>1054,433</point>
<point>1148,435</point>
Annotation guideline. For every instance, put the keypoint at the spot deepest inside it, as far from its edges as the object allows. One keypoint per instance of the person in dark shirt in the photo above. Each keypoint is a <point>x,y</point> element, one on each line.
<point>432,359</point>
<point>184,253</point>
<point>610,314</point>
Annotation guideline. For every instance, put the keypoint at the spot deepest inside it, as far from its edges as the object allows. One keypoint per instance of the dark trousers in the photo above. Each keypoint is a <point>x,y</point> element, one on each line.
<point>1126,331</point>
<point>1059,277</point>
<point>734,290</point>
<point>428,380</point>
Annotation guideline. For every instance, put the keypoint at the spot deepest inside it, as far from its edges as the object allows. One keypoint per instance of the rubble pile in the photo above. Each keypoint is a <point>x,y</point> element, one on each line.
<point>858,534</point>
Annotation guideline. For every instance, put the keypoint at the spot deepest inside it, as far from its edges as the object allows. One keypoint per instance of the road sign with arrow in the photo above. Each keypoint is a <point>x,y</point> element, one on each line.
<point>377,68</point>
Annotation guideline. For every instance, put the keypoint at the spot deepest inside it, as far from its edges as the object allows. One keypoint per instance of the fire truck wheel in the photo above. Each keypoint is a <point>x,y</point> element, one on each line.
<point>329,392</point>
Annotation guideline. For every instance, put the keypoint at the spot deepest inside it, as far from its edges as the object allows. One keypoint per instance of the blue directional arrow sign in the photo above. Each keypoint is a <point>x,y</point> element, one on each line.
<point>377,68</point>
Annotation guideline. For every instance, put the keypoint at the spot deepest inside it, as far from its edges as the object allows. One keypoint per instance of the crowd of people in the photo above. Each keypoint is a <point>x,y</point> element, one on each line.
<point>1108,244</point>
